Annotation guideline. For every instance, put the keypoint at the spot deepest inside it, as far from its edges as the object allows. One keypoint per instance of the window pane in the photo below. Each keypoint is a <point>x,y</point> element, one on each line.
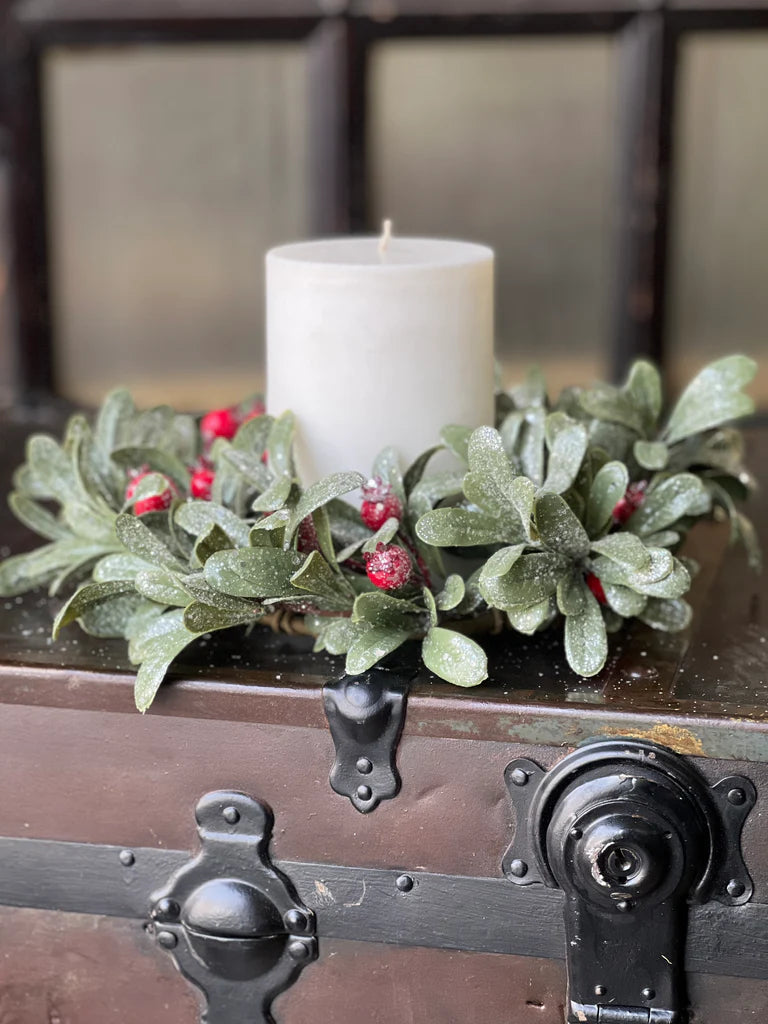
<point>172,170</point>
<point>509,142</point>
<point>720,254</point>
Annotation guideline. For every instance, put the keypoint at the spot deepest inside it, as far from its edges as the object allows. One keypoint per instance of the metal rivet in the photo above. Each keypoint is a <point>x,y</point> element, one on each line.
<point>736,796</point>
<point>518,868</point>
<point>600,990</point>
<point>735,888</point>
<point>166,909</point>
<point>364,766</point>
<point>404,883</point>
<point>127,858</point>
<point>231,815</point>
<point>296,921</point>
<point>298,950</point>
<point>364,792</point>
<point>649,993</point>
<point>167,940</point>
<point>576,833</point>
<point>519,777</point>
<point>624,906</point>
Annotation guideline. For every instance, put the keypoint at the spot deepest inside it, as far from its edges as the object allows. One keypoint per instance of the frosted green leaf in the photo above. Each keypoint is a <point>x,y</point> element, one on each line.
<point>319,494</point>
<point>489,482</point>
<point>317,577</point>
<point>158,460</point>
<point>623,600</point>
<point>110,618</point>
<point>376,643</point>
<point>274,497</point>
<point>567,447</point>
<point>605,402</point>
<point>662,539</point>
<point>381,609</point>
<point>158,646</point>
<point>338,635</point>
<point>200,590</point>
<point>570,594</point>
<point>523,497</point>
<point>661,563</point>
<point>586,642</point>
<point>452,593</point>
<point>670,615</point>
<point>459,527</point>
<point>677,583</point>
<point>643,388</point>
<point>612,438</point>
<point>41,566</point>
<point>254,572</point>
<point>431,606</point>
<point>415,471</point>
<point>713,397</point>
<point>386,466</point>
<point>197,517</point>
<point>383,535</point>
<point>500,562</point>
<point>52,473</point>
<point>652,455</point>
<point>454,657</point>
<point>680,495</point>
<point>141,541</point>
<point>37,518</point>
<point>161,586</point>
<point>213,540</point>
<point>279,445</point>
<point>204,618</point>
<point>433,489</point>
<point>533,577</point>
<point>531,618</point>
<point>558,527</point>
<point>624,548</point>
<point>510,431</point>
<point>118,566</point>
<point>608,487</point>
<point>531,445</point>
<point>456,439</point>
<point>84,598</point>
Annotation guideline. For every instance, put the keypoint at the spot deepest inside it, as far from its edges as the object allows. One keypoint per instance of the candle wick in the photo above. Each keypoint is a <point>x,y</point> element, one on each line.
<point>386,234</point>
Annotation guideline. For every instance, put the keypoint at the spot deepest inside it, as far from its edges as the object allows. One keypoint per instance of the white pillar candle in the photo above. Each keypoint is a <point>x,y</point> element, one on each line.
<point>374,342</point>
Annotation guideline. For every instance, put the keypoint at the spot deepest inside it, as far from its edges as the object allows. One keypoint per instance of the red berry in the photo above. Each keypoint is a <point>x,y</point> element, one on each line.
<point>625,507</point>
<point>594,584</point>
<point>389,567</point>
<point>219,423</point>
<point>379,504</point>
<point>308,535</point>
<point>200,483</point>
<point>155,503</point>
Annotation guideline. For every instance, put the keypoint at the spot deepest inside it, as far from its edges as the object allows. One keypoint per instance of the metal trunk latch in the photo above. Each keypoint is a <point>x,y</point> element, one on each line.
<point>632,834</point>
<point>366,714</point>
<point>231,921</point>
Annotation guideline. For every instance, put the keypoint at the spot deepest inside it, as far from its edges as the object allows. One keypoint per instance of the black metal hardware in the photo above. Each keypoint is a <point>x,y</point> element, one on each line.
<point>484,915</point>
<point>366,714</point>
<point>631,833</point>
<point>231,921</point>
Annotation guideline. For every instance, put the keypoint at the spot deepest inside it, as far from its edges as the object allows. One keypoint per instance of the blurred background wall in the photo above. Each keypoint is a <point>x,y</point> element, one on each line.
<point>172,170</point>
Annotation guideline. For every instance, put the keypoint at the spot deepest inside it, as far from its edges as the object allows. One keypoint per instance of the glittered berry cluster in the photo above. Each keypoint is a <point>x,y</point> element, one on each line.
<point>162,528</point>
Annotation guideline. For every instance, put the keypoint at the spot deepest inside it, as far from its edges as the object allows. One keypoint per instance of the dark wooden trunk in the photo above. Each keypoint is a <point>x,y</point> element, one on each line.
<point>80,765</point>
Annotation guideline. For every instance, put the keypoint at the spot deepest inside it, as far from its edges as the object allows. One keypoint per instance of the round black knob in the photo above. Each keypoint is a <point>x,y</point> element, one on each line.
<point>230,908</point>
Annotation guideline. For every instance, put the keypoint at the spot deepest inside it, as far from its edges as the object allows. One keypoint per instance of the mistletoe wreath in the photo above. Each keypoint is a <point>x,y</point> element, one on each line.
<point>572,512</point>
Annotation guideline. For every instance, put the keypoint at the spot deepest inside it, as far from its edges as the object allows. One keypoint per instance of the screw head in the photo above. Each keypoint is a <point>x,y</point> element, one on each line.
<point>166,910</point>
<point>364,766</point>
<point>600,990</point>
<point>127,858</point>
<point>519,777</point>
<point>736,796</point>
<point>649,993</point>
<point>576,833</point>
<point>364,792</point>
<point>518,868</point>
<point>298,950</point>
<point>296,921</point>
<point>231,815</point>
<point>624,906</point>
<point>167,940</point>
<point>735,888</point>
<point>404,883</point>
